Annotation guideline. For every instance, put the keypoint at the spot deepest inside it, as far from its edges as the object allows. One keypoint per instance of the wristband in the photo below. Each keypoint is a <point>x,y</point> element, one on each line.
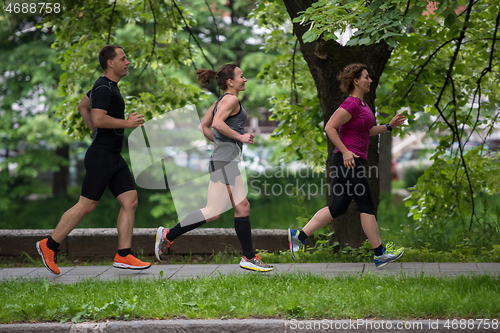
<point>389,128</point>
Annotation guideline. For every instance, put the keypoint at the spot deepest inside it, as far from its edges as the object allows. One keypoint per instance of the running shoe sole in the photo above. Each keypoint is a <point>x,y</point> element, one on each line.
<point>159,233</point>
<point>388,262</point>
<point>127,266</point>
<point>256,268</point>
<point>290,244</point>
<point>43,258</point>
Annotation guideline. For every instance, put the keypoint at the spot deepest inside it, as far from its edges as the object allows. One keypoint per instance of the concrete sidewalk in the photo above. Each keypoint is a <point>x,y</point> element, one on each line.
<point>74,274</point>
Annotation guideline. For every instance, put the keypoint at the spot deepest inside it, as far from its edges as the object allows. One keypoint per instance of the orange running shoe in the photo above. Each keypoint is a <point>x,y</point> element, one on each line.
<point>49,256</point>
<point>129,262</point>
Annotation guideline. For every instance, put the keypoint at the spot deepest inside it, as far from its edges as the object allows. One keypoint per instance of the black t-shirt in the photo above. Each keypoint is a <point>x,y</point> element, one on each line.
<point>105,95</point>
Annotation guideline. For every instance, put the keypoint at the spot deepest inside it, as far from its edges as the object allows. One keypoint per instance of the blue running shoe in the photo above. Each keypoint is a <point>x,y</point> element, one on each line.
<point>293,242</point>
<point>161,242</point>
<point>389,254</point>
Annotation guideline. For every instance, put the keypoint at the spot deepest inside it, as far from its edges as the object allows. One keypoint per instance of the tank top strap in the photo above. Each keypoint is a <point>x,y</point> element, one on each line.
<point>217,103</point>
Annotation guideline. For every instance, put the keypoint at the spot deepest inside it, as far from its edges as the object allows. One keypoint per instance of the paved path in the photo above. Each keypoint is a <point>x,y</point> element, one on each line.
<point>74,274</point>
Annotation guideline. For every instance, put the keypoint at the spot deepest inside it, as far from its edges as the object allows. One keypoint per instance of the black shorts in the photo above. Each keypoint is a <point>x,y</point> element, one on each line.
<point>224,172</point>
<point>348,184</point>
<point>105,169</point>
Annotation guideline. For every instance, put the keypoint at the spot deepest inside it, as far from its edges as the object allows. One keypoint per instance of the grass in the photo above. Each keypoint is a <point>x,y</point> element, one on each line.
<point>301,296</point>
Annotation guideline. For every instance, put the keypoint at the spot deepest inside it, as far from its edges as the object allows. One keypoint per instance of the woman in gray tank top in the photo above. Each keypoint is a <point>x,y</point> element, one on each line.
<point>224,124</point>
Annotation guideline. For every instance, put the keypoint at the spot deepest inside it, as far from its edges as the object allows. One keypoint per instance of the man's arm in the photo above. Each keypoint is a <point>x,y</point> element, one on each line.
<point>84,109</point>
<point>101,99</point>
<point>102,120</point>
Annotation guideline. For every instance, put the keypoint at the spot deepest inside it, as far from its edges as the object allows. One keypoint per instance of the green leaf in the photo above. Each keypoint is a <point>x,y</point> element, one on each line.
<point>364,41</point>
<point>450,20</point>
<point>391,42</point>
<point>352,41</point>
<point>309,36</point>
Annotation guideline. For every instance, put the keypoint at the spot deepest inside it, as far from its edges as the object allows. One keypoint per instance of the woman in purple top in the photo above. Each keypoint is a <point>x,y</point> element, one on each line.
<point>355,123</point>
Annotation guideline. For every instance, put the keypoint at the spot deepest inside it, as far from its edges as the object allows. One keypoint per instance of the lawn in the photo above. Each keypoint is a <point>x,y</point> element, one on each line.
<point>300,296</point>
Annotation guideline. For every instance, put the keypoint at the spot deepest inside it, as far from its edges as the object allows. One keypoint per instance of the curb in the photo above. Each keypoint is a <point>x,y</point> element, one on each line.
<point>255,325</point>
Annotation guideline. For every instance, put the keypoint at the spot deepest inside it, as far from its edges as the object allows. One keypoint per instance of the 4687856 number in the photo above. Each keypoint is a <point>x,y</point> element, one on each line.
<point>33,7</point>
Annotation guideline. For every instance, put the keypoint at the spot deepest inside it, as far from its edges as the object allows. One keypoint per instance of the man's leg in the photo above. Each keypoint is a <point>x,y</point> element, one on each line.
<point>72,218</point>
<point>48,247</point>
<point>125,224</point>
<point>126,218</point>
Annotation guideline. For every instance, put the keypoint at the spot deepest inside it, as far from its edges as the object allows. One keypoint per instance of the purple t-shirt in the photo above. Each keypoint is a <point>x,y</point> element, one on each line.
<point>355,134</point>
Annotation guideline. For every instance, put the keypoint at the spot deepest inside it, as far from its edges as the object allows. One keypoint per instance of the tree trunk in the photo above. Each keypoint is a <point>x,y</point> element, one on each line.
<point>326,60</point>
<point>385,162</point>
<point>60,180</point>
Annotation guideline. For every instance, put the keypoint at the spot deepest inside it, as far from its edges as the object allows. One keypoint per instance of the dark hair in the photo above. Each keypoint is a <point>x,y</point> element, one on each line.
<point>108,52</point>
<point>222,75</point>
<point>347,76</point>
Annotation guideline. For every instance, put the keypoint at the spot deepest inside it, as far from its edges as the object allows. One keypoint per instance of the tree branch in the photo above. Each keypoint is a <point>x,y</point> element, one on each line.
<point>111,22</point>
<point>452,128</point>
<point>425,64</point>
<point>494,40</point>
<point>191,33</point>
<point>216,27</point>
<point>191,54</point>
<point>294,86</point>
<point>154,42</point>
<point>492,127</point>
<point>407,7</point>
<point>483,74</point>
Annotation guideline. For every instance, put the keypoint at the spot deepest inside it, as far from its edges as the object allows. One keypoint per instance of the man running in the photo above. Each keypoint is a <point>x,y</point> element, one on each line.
<point>103,110</point>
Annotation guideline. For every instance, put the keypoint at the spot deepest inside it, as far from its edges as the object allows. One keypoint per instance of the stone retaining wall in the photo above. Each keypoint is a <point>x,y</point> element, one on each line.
<point>82,243</point>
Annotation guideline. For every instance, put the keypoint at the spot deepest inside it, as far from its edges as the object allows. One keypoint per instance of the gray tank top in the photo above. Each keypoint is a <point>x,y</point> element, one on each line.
<point>228,149</point>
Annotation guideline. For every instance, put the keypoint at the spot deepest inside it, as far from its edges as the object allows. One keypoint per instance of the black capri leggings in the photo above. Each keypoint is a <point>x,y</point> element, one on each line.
<point>348,184</point>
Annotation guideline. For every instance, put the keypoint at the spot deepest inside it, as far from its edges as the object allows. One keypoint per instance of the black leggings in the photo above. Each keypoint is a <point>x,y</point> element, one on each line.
<point>348,184</point>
